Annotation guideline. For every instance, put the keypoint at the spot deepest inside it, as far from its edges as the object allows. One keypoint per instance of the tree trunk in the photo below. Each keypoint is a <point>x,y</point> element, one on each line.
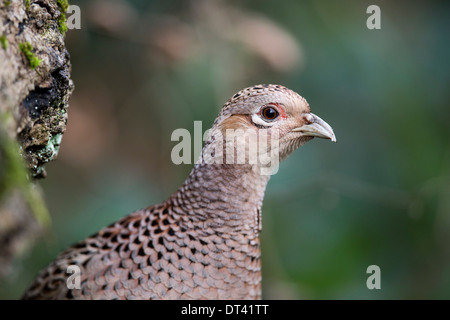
<point>35,86</point>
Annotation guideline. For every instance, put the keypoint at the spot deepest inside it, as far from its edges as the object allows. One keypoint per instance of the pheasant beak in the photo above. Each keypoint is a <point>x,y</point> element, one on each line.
<point>315,127</point>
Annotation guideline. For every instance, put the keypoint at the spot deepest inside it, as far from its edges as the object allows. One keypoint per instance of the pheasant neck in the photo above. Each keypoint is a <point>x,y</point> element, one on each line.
<point>226,198</point>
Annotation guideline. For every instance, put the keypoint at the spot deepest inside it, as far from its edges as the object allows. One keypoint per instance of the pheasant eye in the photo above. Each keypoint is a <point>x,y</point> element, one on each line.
<point>269,113</point>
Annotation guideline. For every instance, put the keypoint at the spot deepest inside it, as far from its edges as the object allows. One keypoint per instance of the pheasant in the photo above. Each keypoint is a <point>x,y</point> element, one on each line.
<point>203,242</point>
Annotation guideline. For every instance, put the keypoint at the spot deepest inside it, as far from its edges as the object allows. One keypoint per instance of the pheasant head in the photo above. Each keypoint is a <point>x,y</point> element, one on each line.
<point>260,126</point>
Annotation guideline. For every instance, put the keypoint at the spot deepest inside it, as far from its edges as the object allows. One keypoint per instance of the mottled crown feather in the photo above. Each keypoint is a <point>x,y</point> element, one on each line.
<point>243,101</point>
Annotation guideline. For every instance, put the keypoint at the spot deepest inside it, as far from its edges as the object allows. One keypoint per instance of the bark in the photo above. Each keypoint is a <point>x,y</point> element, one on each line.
<point>35,86</point>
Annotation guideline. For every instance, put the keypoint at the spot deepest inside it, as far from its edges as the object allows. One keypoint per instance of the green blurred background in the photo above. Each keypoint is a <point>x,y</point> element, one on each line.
<point>381,195</point>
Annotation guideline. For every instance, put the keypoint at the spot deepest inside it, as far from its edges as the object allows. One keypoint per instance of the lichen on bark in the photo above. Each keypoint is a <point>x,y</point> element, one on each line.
<point>35,87</point>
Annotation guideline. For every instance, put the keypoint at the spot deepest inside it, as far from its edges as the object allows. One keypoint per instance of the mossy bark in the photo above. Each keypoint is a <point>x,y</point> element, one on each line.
<point>35,87</point>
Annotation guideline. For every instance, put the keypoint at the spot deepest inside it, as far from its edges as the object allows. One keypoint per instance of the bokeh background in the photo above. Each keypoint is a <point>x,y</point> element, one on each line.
<point>380,196</point>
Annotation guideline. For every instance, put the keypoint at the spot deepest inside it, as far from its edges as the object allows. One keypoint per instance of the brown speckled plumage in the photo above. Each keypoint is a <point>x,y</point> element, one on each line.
<point>203,242</point>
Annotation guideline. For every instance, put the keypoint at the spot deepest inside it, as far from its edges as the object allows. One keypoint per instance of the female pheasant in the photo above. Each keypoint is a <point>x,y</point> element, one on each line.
<point>203,242</point>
